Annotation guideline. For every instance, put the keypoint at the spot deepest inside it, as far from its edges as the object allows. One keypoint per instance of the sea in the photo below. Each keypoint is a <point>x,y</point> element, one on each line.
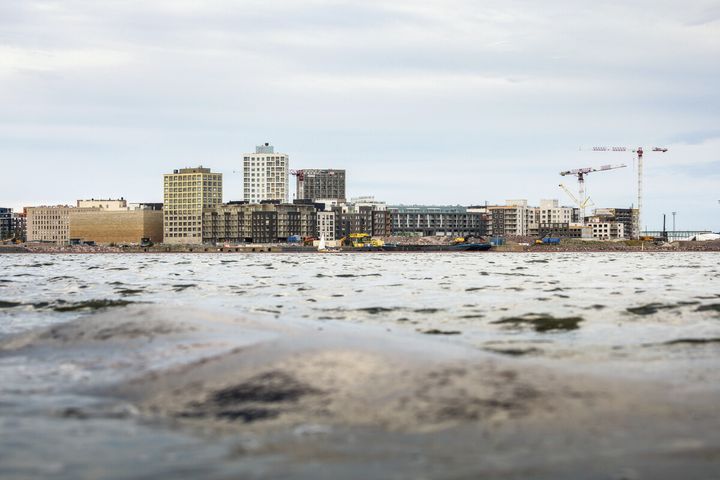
<point>647,320</point>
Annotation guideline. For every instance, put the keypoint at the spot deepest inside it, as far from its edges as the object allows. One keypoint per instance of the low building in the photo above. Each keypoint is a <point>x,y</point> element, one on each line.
<point>49,224</point>
<point>104,204</point>
<point>105,225</point>
<point>267,222</point>
<point>564,230</point>
<point>423,220</point>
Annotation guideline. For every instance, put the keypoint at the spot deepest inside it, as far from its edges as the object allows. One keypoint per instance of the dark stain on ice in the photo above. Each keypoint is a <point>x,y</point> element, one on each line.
<point>711,307</point>
<point>543,322</point>
<point>261,397</point>
<point>8,304</point>
<point>435,331</point>
<point>651,308</point>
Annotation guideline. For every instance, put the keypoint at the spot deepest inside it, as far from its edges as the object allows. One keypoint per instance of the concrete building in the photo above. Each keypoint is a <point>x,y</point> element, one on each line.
<point>268,222</point>
<point>362,215</point>
<point>19,226</point>
<point>551,212</point>
<point>106,204</point>
<point>326,225</point>
<point>514,218</point>
<point>6,223</point>
<point>48,224</point>
<point>324,184</point>
<point>627,216</point>
<point>188,191</point>
<point>113,225</point>
<point>423,220</point>
<point>265,175</point>
<point>602,230</point>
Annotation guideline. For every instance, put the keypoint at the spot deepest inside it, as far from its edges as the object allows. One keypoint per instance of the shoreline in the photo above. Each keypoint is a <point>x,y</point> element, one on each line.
<point>694,247</point>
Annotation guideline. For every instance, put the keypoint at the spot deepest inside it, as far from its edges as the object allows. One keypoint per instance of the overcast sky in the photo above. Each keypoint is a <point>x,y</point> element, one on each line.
<point>422,101</point>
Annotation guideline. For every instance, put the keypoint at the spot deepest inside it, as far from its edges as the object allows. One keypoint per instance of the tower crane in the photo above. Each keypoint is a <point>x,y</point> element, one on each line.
<point>639,152</point>
<point>580,174</point>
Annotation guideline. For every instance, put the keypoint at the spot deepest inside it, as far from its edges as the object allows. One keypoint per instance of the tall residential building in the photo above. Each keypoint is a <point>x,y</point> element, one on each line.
<point>49,224</point>
<point>324,184</point>
<point>187,192</point>
<point>265,175</point>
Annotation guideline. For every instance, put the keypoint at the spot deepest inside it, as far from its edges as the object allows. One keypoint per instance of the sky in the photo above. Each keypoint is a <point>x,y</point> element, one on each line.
<point>421,101</point>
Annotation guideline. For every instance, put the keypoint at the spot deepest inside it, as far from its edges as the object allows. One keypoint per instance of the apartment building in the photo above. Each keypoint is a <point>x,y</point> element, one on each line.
<point>6,223</point>
<point>265,175</point>
<point>326,225</point>
<point>627,216</point>
<point>48,224</point>
<point>425,220</point>
<point>267,222</point>
<point>602,230</point>
<point>187,192</point>
<point>315,184</point>
<point>514,218</point>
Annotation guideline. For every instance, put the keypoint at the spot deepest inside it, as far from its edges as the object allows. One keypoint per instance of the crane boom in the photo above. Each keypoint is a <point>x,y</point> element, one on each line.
<point>580,174</point>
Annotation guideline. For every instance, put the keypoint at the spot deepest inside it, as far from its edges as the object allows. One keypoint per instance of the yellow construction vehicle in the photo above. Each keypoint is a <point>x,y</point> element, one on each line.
<point>362,240</point>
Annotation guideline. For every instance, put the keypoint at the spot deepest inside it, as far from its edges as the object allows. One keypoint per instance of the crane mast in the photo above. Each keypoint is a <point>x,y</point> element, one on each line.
<point>639,152</point>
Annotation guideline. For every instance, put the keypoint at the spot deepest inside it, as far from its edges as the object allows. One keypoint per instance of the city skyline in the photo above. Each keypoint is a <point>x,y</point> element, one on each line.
<point>479,102</point>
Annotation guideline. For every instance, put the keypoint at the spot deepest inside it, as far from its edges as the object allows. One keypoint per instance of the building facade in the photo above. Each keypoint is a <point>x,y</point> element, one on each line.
<point>514,218</point>
<point>48,224</point>
<point>326,225</point>
<point>603,229</point>
<point>107,204</point>
<point>422,220</point>
<point>564,230</point>
<point>627,216</point>
<point>19,226</point>
<point>268,222</point>
<point>265,175</point>
<point>324,184</point>
<point>105,226</point>
<point>187,192</point>
<point>6,223</point>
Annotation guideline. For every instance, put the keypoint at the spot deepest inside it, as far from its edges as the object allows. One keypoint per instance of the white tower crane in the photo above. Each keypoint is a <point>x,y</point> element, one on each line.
<point>639,152</point>
<point>580,174</point>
